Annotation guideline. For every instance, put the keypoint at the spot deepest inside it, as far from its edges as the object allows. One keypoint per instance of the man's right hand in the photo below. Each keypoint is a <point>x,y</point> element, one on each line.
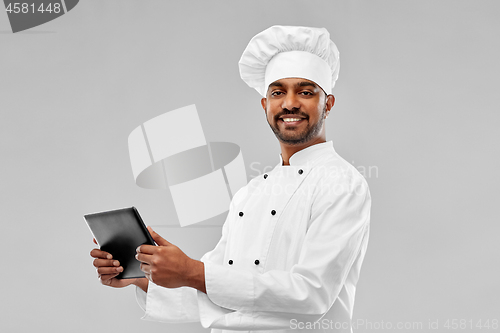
<point>108,269</point>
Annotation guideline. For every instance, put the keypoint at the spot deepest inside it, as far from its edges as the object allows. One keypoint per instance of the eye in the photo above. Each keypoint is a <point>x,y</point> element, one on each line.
<point>276,93</point>
<point>306,93</point>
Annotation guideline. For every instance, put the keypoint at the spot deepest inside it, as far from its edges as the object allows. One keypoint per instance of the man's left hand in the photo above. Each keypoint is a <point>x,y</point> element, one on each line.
<point>167,266</point>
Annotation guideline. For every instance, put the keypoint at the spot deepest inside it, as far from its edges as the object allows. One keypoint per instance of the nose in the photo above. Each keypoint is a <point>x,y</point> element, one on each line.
<point>290,102</point>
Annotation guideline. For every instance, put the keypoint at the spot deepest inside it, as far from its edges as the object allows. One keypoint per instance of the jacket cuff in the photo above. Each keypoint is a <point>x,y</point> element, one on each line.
<point>140,297</point>
<point>229,288</point>
<point>171,305</point>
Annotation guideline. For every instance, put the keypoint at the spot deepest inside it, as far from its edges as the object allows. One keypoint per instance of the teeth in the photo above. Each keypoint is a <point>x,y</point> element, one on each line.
<point>291,119</point>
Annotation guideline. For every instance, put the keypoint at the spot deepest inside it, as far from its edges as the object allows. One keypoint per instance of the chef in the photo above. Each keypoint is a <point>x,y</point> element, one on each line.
<point>294,239</point>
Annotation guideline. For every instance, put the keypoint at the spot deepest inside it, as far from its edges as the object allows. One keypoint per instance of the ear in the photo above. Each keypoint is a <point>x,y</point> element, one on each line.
<point>330,101</point>
<point>263,103</point>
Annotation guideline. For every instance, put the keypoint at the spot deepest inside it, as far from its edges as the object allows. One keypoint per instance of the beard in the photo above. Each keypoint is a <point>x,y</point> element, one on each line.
<point>297,138</point>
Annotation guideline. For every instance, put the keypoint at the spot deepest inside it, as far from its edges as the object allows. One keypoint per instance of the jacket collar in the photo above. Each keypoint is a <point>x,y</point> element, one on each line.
<point>310,154</point>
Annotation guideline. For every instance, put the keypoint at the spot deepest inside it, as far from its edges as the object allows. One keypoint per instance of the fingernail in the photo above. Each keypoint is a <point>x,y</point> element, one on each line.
<point>119,269</point>
<point>138,250</point>
<point>116,263</point>
<point>109,256</point>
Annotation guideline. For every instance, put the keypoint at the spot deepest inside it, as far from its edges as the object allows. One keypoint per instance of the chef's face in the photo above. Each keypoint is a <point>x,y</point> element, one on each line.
<point>296,109</point>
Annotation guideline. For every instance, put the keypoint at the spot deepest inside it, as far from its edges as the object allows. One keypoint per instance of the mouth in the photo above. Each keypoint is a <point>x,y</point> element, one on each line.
<point>288,120</point>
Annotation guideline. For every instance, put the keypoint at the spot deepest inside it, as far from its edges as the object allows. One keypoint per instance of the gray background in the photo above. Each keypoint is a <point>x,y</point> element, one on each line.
<point>417,112</point>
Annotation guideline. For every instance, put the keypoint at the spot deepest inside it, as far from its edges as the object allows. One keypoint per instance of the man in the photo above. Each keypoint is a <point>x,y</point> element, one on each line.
<point>294,239</point>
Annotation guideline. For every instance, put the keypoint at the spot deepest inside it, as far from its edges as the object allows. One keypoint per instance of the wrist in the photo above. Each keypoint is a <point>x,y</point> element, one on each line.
<point>141,283</point>
<point>195,277</point>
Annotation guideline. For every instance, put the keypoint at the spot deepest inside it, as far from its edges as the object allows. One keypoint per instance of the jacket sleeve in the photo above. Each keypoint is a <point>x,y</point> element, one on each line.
<point>337,233</point>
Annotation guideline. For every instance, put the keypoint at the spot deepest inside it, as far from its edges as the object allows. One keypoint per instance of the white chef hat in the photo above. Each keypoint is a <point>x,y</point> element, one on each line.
<point>289,51</point>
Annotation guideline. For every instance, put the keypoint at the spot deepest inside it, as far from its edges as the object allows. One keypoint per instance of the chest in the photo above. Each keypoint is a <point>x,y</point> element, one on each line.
<point>269,223</point>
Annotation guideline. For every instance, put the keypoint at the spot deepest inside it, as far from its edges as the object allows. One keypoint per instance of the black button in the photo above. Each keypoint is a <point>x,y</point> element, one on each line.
<point>230,262</point>
<point>241,214</point>
<point>257,261</point>
<point>273,212</point>
<point>301,171</point>
<point>265,176</point>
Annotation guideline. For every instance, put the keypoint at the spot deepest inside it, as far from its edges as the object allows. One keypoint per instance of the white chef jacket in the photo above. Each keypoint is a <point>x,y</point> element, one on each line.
<point>290,253</point>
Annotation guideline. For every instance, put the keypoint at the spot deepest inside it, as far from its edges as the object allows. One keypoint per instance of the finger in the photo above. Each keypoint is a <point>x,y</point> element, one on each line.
<point>109,270</point>
<point>106,277</point>
<point>145,258</point>
<point>147,249</point>
<point>157,238</point>
<point>98,254</point>
<point>106,263</point>
<point>95,242</point>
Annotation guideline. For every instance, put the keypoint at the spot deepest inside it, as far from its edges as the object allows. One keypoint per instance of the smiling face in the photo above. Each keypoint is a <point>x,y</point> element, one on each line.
<point>296,109</point>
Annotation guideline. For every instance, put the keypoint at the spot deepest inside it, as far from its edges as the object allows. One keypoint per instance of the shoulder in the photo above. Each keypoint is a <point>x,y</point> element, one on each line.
<point>333,174</point>
<point>333,168</point>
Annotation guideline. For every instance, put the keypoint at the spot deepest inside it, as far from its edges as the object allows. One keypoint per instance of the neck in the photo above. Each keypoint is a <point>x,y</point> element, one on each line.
<point>288,150</point>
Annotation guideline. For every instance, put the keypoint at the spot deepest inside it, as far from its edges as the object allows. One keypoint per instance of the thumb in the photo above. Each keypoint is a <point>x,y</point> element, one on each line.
<point>157,238</point>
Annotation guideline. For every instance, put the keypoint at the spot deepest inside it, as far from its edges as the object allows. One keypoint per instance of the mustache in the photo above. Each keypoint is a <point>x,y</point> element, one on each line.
<point>294,111</point>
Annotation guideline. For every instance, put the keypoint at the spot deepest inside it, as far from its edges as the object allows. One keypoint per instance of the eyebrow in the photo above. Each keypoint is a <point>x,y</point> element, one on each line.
<point>276,84</point>
<point>306,84</point>
<point>300,84</point>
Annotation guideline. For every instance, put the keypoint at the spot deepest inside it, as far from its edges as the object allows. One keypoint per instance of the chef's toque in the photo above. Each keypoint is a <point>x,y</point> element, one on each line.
<point>290,52</point>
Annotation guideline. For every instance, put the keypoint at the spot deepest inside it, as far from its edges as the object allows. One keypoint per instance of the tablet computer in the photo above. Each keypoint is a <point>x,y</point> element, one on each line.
<point>120,232</point>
